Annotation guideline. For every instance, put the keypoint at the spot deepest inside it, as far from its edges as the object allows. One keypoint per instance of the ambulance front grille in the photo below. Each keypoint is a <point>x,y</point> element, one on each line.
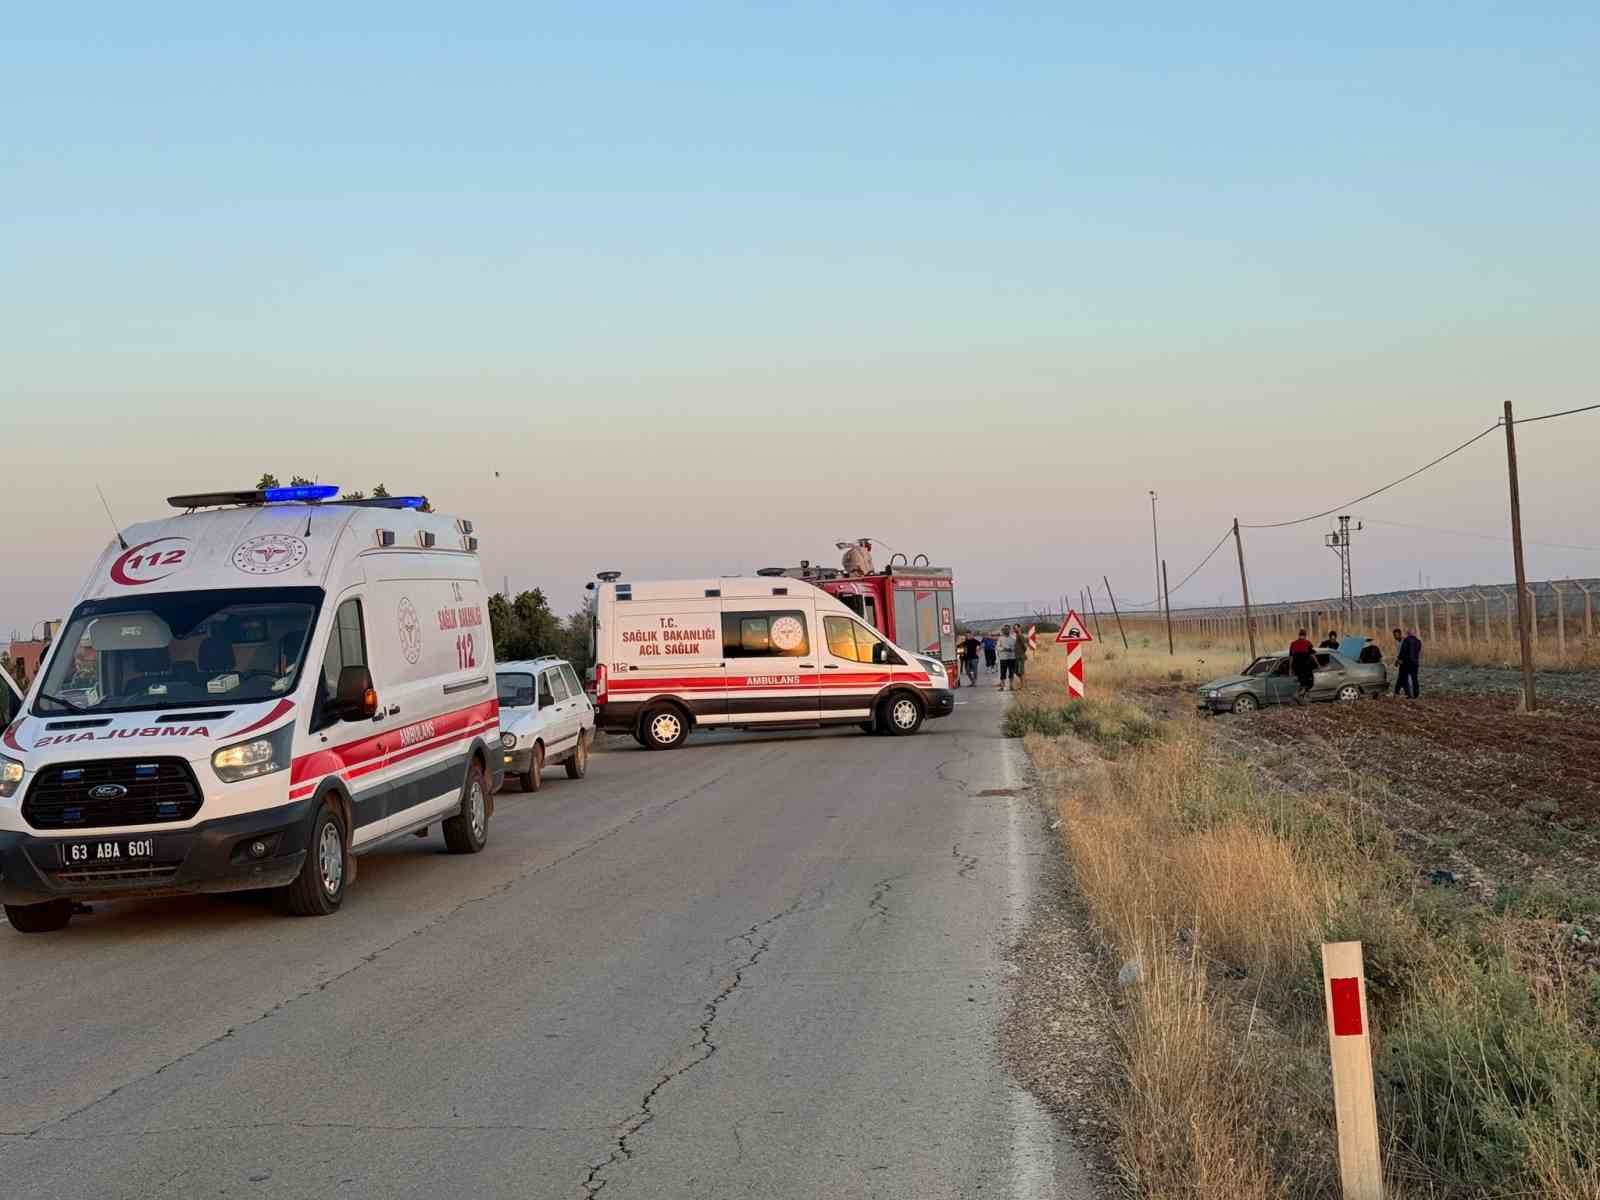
<point>154,791</point>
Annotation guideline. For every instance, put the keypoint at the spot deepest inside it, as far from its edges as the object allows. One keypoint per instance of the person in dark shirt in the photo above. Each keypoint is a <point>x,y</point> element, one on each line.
<point>1370,653</point>
<point>1407,662</point>
<point>1303,662</point>
<point>969,660</point>
<point>1331,642</point>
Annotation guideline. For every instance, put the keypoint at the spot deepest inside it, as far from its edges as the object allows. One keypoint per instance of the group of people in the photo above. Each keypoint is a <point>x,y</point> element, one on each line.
<point>1407,660</point>
<point>1008,650</point>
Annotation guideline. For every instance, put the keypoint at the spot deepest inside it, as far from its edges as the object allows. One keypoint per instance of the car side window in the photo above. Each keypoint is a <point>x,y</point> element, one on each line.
<point>870,648</point>
<point>841,637</point>
<point>546,695</point>
<point>765,635</point>
<point>1325,661</point>
<point>347,647</point>
<point>574,688</point>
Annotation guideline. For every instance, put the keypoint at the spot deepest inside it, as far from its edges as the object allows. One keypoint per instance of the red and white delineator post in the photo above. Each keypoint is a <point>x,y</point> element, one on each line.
<point>1073,634</point>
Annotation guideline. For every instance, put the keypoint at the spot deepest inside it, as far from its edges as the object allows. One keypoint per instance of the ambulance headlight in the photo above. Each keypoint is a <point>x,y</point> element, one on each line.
<point>936,669</point>
<point>508,740</point>
<point>259,756</point>
<point>10,776</point>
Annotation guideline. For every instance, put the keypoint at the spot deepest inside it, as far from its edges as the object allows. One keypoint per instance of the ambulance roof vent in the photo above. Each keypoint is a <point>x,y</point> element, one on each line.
<point>384,538</point>
<point>770,571</point>
<point>425,539</point>
<point>464,526</point>
<point>470,545</point>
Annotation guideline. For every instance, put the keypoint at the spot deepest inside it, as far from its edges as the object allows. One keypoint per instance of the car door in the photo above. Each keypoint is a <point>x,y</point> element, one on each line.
<point>771,664</point>
<point>1281,685</point>
<point>582,709</point>
<point>561,717</point>
<point>856,666</point>
<point>10,700</point>
<point>355,751</point>
<point>1329,677</point>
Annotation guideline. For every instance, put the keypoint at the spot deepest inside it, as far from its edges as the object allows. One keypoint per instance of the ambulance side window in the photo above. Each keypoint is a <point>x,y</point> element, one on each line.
<point>765,635</point>
<point>347,647</point>
<point>854,642</point>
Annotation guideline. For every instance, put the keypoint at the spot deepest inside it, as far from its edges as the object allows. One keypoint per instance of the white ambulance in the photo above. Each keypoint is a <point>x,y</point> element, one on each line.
<point>247,695</point>
<point>673,655</point>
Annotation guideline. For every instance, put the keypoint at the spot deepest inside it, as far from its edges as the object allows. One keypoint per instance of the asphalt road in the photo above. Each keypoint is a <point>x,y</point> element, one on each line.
<point>764,966</point>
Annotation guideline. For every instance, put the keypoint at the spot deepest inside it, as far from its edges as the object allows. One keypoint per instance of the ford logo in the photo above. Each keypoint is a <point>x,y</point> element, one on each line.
<point>108,791</point>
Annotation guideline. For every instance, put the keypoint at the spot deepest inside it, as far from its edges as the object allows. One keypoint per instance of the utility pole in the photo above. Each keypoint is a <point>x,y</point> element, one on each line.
<point>1530,702</point>
<point>1110,595</point>
<point>1089,592</point>
<point>1168,606</point>
<point>1339,543</point>
<point>1244,588</point>
<point>1155,541</point>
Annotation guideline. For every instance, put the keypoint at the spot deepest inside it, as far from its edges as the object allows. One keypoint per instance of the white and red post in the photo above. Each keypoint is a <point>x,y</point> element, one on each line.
<point>1073,634</point>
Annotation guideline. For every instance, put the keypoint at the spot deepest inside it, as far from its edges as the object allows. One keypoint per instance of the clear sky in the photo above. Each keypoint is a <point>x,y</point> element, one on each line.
<point>713,286</point>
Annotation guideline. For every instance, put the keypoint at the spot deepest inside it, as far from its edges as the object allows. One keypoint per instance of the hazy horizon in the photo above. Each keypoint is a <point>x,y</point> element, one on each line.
<point>712,289</point>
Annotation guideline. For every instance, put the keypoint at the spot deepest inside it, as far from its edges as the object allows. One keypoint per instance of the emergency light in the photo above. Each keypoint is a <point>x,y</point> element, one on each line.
<point>310,491</point>
<point>301,493</point>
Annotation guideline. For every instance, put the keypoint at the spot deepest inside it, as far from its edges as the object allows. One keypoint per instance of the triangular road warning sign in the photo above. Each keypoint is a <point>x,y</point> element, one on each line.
<point>1073,629</point>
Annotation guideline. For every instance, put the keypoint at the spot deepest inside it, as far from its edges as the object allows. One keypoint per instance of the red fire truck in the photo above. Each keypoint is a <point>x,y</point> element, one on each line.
<point>913,603</point>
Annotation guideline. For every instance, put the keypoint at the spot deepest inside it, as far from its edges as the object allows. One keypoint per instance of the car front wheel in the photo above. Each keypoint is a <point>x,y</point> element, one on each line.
<point>902,715</point>
<point>1349,692</point>
<point>1246,703</point>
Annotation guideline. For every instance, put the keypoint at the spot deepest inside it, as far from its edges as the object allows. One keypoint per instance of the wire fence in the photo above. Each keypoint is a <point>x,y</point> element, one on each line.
<point>1484,615</point>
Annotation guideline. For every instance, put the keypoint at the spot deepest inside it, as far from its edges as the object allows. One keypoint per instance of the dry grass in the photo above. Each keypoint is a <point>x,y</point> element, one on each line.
<point>1220,888</point>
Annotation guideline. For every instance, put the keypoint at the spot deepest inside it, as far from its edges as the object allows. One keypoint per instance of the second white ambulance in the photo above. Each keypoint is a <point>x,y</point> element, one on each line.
<point>247,695</point>
<point>676,654</point>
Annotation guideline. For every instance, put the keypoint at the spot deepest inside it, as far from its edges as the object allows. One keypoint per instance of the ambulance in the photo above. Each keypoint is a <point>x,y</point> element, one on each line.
<point>675,655</point>
<point>247,695</point>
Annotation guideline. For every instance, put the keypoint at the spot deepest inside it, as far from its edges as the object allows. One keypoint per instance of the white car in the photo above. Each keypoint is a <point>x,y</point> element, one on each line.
<point>545,718</point>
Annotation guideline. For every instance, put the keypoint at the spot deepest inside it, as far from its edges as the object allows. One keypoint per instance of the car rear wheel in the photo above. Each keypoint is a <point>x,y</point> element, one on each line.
<point>1246,703</point>
<point>39,918</point>
<point>531,779</point>
<point>578,763</point>
<point>1350,692</point>
<point>664,728</point>
<point>468,831</point>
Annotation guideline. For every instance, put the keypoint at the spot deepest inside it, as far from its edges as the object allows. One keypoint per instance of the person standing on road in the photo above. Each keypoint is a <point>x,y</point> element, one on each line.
<point>1407,663</point>
<point>988,652</point>
<point>1331,642</point>
<point>1303,662</point>
<point>1021,655</point>
<point>1006,651</point>
<point>969,660</point>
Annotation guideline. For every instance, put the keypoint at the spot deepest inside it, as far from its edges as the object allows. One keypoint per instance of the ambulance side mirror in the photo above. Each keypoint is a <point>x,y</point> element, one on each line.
<point>355,700</point>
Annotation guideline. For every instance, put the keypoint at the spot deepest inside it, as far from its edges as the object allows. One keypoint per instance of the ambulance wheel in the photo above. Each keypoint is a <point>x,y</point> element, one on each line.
<point>578,761</point>
<point>532,778</point>
<point>901,715</point>
<point>663,728</point>
<point>319,888</point>
<point>39,918</point>
<point>468,831</point>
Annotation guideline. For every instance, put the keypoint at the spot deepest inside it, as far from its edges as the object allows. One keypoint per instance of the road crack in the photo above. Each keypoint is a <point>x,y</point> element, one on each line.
<point>968,863</point>
<point>371,957</point>
<point>757,942</point>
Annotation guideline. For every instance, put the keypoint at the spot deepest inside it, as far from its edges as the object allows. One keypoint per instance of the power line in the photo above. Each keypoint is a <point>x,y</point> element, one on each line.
<point>1379,491</point>
<point>1151,603</point>
<point>1485,537</point>
<point>1549,416</point>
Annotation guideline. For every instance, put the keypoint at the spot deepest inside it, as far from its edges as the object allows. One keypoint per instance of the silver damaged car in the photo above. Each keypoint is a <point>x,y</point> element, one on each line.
<point>1269,680</point>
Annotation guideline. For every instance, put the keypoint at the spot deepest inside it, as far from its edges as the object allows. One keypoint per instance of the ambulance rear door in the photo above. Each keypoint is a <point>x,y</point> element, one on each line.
<point>668,648</point>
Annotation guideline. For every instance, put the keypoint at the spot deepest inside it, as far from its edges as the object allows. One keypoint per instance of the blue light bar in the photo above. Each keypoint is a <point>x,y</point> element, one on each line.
<point>410,501</point>
<point>313,491</point>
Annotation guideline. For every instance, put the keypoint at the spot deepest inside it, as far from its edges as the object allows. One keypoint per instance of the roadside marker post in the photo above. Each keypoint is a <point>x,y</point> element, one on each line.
<point>1350,1046</point>
<point>1073,634</point>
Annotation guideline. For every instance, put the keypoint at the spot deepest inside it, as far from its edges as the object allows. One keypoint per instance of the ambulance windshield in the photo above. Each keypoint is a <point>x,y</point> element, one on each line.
<point>170,650</point>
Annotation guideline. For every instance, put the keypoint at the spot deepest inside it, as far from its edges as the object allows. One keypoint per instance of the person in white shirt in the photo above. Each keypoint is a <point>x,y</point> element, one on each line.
<point>1006,652</point>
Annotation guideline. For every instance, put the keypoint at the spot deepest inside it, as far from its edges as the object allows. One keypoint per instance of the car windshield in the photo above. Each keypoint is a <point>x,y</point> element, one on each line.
<point>1261,666</point>
<point>516,689</point>
<point>179,650</point>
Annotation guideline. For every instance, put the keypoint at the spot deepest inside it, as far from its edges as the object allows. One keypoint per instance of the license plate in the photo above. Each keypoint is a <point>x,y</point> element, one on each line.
<point>102,852</point>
